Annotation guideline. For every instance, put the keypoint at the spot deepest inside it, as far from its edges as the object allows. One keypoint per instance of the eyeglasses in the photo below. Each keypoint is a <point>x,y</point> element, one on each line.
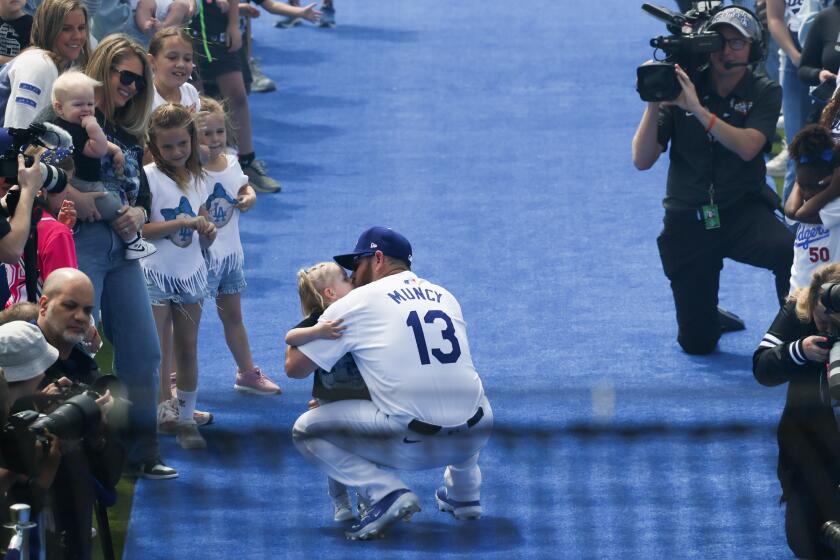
<point>127,77</point>
<point>736,44</point>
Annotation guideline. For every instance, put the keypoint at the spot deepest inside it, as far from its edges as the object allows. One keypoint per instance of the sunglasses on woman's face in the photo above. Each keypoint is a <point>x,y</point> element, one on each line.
<point>128,77</point>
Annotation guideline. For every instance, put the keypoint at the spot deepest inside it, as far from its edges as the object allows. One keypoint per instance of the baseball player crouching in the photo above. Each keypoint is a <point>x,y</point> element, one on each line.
<point>427,407</point>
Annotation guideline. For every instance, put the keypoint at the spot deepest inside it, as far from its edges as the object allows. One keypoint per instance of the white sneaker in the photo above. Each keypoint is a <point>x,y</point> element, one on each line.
<point>777,167</point>
<point>343,510</point>
<point>167,417</point>
<point>189,437</point>
<point>138,249</point>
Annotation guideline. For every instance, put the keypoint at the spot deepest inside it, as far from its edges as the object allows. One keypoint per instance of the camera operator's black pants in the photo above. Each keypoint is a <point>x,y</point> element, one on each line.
<point>692,258</point>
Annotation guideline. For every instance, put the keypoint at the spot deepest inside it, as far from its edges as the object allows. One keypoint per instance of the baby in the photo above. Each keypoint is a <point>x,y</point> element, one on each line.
<point>74,105</point>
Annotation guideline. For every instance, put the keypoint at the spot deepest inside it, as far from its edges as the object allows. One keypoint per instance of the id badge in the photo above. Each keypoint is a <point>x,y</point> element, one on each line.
<point>711,216</point>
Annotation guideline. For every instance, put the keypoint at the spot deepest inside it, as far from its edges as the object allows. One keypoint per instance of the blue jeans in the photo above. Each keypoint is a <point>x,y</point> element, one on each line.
<point>127,321</point>
<point>796,105</point>
<point>773,63</point>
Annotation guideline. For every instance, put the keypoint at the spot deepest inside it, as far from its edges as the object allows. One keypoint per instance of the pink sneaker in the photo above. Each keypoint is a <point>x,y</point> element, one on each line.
<point>255,382</point>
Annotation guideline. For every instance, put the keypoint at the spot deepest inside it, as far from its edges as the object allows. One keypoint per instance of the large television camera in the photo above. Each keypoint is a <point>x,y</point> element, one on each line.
<point>24,442</point>
<point>689,45</point>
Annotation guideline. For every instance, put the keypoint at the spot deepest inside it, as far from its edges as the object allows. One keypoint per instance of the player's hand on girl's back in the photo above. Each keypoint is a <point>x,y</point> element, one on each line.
<point>331,329</point>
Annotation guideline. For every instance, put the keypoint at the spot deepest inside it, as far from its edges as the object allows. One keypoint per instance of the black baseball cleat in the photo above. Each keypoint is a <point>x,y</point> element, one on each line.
<point>399,504</point>
<point>729,322</point>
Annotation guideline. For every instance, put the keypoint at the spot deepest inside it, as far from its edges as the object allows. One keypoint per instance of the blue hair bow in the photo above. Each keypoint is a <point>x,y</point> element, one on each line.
<point>826,156</point>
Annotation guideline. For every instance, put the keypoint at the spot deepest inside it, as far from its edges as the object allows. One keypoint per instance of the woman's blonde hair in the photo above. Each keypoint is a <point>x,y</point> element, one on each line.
<point>166,117</point>
<point>806,298</point>
<point>47,23</point>
<point>134,115</point>
<point>312,282</point>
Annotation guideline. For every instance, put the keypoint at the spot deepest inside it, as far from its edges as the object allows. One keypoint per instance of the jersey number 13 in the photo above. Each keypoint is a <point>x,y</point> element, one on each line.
<point>448,334</point>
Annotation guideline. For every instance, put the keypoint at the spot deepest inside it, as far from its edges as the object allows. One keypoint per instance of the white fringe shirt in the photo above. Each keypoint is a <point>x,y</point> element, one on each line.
<point>178,265</point>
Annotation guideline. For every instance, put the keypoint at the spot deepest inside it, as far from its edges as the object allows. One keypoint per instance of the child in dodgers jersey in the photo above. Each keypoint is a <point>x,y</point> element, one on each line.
<point>814,203</point>
<point>176,275</point>
<point>171,56</point>
<point>318,287</point>
<point>229,195</point>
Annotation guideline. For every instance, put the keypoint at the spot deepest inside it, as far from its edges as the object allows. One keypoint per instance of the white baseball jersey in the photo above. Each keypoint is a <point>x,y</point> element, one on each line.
<point>408,338</point>
<point>815,245</point>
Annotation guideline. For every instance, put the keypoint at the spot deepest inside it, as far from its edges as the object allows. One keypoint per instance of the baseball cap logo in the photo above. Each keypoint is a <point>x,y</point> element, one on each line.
<point>373,245</point>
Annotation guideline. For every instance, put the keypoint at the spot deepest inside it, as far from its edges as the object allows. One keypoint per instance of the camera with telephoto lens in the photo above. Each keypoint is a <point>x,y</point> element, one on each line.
<point>12,143</point>
<point>24,442</point>
<point>690,44</point>
<point>830,298</point>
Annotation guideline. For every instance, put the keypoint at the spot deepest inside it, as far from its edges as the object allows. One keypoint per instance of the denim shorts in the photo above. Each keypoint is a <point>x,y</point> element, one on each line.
<point>172,295</point>
<point>226,281</point>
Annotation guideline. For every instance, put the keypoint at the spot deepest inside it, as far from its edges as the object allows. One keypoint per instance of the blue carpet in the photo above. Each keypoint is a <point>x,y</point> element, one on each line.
<point>496,137</point>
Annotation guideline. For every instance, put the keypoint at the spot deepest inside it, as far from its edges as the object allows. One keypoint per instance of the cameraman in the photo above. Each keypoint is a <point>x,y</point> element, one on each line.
<point>717,204</point>
<point>72,494</point>
<point>795,351</point>
<point>14,228</point>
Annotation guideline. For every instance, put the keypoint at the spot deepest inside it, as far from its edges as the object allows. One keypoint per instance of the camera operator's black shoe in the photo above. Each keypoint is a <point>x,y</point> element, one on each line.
<point>153,470</point>
<point>729,322</point>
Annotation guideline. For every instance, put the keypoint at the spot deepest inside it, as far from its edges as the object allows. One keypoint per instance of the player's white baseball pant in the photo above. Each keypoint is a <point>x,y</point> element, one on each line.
<point>352,440</point>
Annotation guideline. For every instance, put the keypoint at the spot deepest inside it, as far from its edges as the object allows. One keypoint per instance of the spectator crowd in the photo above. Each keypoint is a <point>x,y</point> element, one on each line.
<point>119,215</point>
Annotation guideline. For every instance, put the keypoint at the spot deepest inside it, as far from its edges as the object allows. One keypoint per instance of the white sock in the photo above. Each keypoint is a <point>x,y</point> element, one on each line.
<point>186,404</point>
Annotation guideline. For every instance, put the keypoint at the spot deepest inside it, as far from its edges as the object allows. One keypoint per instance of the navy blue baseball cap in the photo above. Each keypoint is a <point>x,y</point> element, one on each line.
<point>376,239</point>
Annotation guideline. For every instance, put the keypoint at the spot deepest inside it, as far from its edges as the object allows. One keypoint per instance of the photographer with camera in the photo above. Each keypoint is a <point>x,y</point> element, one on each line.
<point>75,414</point>
<point>15,221</point>
<point>795,351</point>
<point>717,203</point>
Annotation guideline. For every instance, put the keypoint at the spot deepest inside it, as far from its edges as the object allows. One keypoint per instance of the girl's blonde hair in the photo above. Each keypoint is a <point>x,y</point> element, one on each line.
<point>806,298</point>
<point>134,115</point>
<point>156,44</point>
<point>215,107</point>
<point>166,117</point>
<point>312,282</point>
<point>47,23</point>
<point>69,80</point>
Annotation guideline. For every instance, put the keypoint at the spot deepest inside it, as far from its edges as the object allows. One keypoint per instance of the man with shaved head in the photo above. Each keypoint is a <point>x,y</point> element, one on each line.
<point>64,316</point>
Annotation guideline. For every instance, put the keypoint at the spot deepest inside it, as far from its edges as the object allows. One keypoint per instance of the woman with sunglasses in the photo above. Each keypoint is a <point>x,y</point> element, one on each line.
<point>123,103</point>
<point>59,39</point>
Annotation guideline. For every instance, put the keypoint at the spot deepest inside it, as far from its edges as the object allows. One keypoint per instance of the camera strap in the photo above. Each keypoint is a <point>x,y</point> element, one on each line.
<point>711,215</point>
